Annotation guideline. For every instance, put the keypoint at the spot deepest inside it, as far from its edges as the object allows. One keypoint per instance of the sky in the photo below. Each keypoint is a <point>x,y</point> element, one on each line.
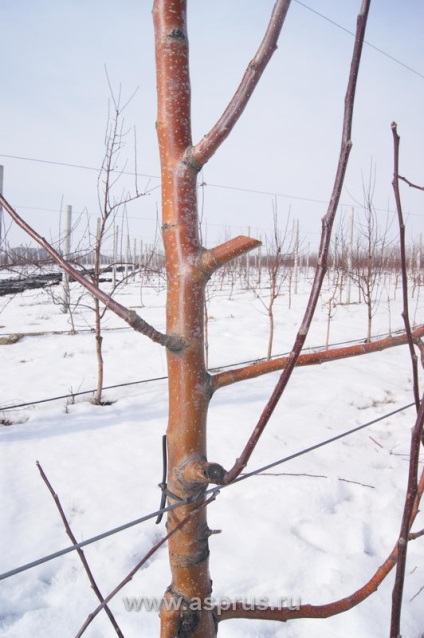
<point>56,58</point>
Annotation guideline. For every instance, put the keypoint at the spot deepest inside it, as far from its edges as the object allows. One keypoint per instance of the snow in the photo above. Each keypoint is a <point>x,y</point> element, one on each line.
<point>313,533</point>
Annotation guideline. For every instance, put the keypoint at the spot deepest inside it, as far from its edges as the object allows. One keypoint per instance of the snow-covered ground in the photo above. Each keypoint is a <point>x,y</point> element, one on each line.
<point>313,533</point>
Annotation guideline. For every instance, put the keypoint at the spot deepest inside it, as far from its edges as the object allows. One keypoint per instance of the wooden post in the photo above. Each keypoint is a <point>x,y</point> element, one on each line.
<point>115,255</point>
<point>296,255</point>
<point>349,257</point>
<point>66,298</point>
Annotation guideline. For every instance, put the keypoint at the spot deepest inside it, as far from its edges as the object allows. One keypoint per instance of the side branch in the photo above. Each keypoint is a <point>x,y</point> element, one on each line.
<point>412,499</point>
<point>214,258</point>
<point>418,429</point>
<point>201,153</point>
<point>411,184</point>
<point>141,562</point>
<point>222,379</point>
<point>404,275</point>
<point>130,316</point>
<point>239,610</point>
<point>79,551</point>
<point>327,225</point>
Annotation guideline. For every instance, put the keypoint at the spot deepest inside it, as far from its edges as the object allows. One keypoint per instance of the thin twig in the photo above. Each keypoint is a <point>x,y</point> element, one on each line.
<point>417,594</point>
<point>290,474</point>
<point>209,144</point>
<point>130,316</point>
<point>238,610</point>
<point>414,535</point>
<point>145,558</point>
<point>327,225</point>
<point>417,435</point>
<point>80,551</point>
<point>411,184</point>
<point>162,485</point>
<point>372,487</point>
<point>404,274</point>
<point>322,476</point>
<point>420,345</point>
<point>407,519</point>
<point>376,442</point>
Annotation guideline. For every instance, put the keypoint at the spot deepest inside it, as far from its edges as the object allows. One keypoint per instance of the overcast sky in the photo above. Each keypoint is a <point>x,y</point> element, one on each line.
<point>54,106</point>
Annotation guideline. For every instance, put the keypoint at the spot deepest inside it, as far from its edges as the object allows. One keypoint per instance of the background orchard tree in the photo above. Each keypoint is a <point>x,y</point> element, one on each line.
<point>279,249</point>
<point>370,256</point>
<point>111,201</point>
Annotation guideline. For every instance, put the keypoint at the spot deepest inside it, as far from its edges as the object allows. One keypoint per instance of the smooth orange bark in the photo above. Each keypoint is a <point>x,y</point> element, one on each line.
<point>188,268</point>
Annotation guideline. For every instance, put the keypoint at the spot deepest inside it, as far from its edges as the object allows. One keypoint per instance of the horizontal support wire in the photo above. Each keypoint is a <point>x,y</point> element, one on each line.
<point>211,490</point>
<point>216,369</point>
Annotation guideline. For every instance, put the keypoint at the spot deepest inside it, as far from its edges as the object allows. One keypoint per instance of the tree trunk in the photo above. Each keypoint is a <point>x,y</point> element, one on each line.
<point>188,267</point>
<point>188,379</point>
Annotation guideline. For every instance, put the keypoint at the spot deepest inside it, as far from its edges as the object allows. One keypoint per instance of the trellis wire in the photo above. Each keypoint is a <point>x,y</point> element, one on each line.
<point>211,490</point>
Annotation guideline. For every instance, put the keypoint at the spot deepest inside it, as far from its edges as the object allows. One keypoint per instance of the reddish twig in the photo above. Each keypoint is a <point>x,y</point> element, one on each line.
<point>417,594</point>
<point>239,610</point>
<point>228,377</point>
<point>203,151</point>
<point>414,535</point>
<point>418,429</point>
<point>130,316</point>
<point>405,310</point>
<point>79,551</point>
<point>411,184</point>
<point>376,442</point>
<point>407,520</point>
<point>327,225</point>
<point>145,558</point>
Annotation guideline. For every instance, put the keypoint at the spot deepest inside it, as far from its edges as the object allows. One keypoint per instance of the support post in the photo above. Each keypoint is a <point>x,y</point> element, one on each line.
<point>296,256</point>
<point>66,299</point>
<point>349,256</point>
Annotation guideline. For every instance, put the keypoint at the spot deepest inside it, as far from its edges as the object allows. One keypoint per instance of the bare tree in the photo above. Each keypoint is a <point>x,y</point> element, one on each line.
<point>417,437</point>
<point>337,275</point>
<point>110,203</point>
<point>369,257</point>
<point>189,266</point>
<point>333,299</point>
<point>278,252</point>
